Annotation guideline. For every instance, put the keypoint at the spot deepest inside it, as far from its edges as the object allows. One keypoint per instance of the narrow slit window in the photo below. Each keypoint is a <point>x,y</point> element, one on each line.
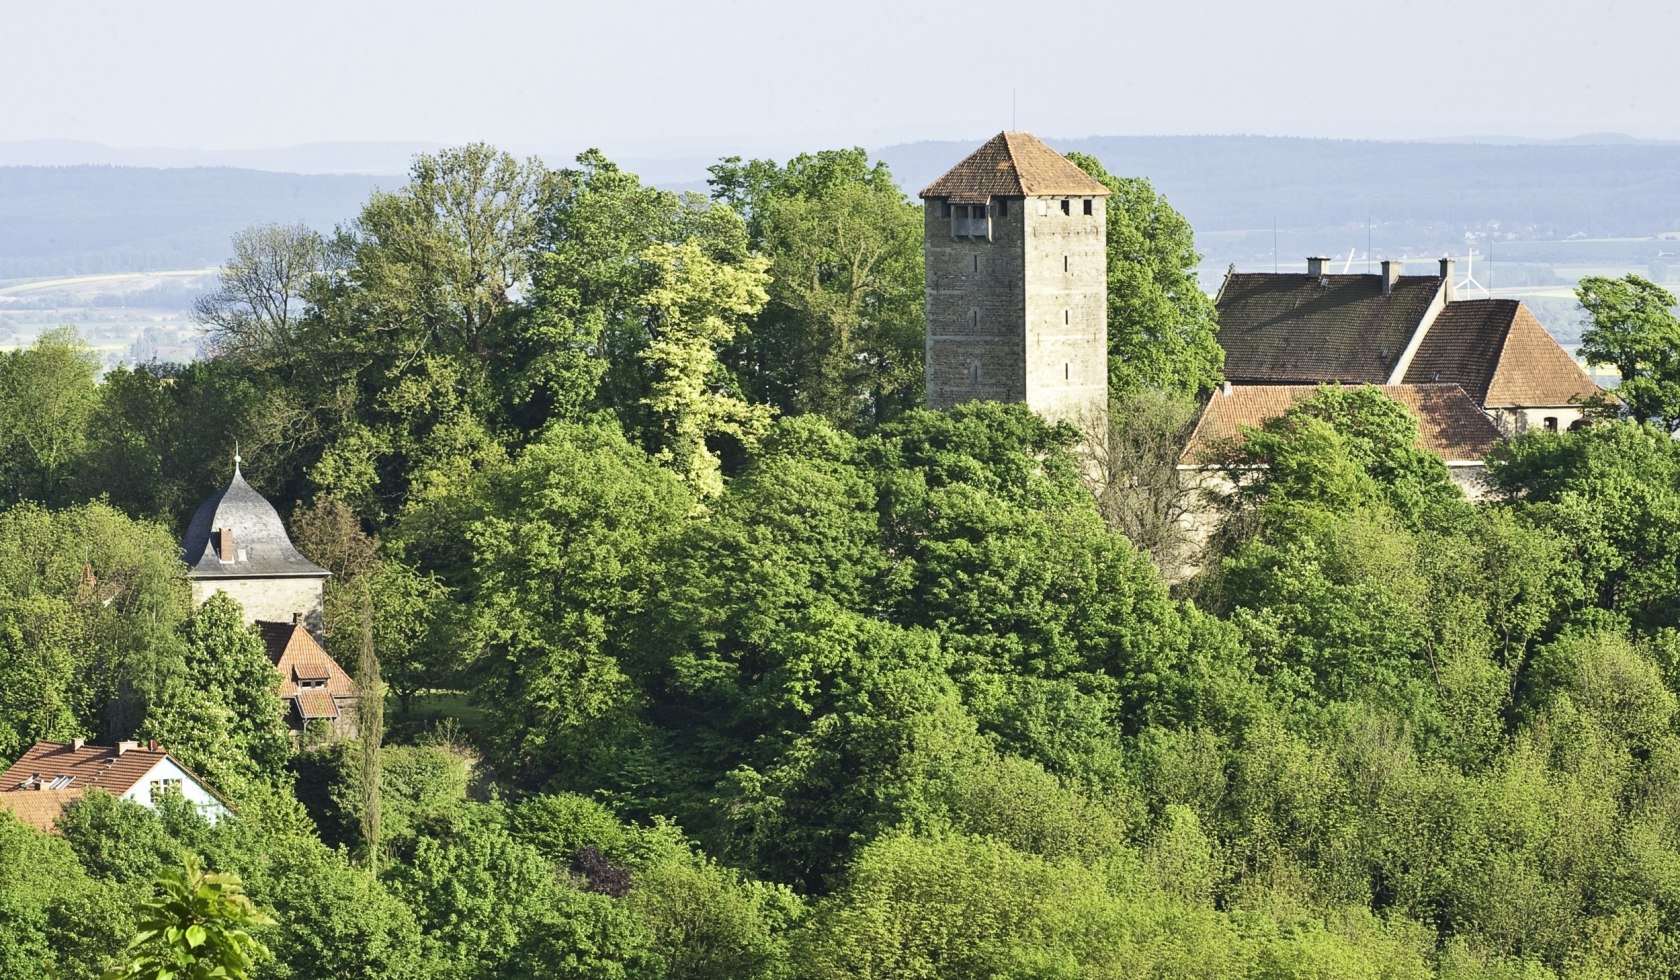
<point>1067,317</point>
<point>1064,263</point>
<point>974,318</point>
<point>974,370</point>
<point>1067,371</point>
<point>976,263</point>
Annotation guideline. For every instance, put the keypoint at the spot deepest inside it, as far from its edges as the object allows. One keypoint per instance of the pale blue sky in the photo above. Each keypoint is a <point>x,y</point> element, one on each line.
<point>694,77</point>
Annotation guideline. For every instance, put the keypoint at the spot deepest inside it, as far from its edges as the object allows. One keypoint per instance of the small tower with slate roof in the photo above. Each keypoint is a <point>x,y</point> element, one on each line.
<point>1015,241</point>
<point>237,544</point>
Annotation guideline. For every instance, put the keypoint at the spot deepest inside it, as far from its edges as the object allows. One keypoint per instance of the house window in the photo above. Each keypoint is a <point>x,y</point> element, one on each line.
<point>1551,423</point>
<point>945,209</point>
<point>1043,207</point>
<point>1087,206</point>
<point>1067,206</point>
<point>163,787</point>
<point>1003,207</point>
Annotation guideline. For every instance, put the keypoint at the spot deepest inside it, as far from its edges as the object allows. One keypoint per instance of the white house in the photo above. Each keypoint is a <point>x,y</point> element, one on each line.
<point>38,786</point>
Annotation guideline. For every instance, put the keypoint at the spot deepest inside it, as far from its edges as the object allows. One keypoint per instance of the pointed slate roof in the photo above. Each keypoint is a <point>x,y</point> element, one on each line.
<point>1294,328</point>
<point>1014,165</point>
<point>1500,355</point>
<point>1449,423</point>
<point>261,548</point>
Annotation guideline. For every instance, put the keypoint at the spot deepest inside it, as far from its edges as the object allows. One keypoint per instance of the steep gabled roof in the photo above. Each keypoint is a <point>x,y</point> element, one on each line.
<point>261,547</point>
<point>1014,165</point>
<point>1449,423</point>
<point>297,657</point>
<point>1500,355</point>
<point>69,770</point>
<point>99,766</point>
<point>1295,328</point>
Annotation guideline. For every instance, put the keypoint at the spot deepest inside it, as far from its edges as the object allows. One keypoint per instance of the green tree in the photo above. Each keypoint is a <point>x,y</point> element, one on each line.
<point>1161,325</point>
<point>696,305</point>
<point>1633,327</point>
<point>221,715</point>
<point>841,336</point>
<point>47,398</point>
<point>199,927</point>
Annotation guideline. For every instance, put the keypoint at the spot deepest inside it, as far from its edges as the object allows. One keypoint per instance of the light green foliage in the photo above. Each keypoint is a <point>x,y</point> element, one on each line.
<point>221,714</point>
<point>841,337</point>
<point>695,306</point>
<point>1611,494</point>
<point>1161,325</point>
<point>560,560</point>
<point>47,396</point>
<point>956,907</point>
<point>199,927</point>
<point>1633,327</point>
<point>89,601</point>
<point>52,916</point>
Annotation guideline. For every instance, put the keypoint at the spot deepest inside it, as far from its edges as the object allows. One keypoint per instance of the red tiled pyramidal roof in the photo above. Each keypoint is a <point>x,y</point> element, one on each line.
<point>1449,423</point>
<point>1014,165</point>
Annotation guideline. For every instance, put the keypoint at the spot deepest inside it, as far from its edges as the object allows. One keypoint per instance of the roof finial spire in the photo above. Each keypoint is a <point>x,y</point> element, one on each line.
<point>237,459</point>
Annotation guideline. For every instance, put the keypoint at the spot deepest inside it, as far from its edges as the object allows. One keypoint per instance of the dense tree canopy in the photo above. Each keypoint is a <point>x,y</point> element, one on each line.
<point>713,655</point>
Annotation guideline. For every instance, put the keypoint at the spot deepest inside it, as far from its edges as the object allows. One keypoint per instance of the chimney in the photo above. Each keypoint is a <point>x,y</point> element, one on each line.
<point>77,743</point>
<point>1318,265</point>
<point>1447,277</point>
<point>224,544</point>
<point>151,745</point>
<point>127,746</point>
<point>1391,269</point>
<point>297,619</point>
<point>1226,389</point>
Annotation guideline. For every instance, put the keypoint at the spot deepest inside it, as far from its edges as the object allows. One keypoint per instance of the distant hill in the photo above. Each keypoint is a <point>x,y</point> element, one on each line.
<point>60,221</point>
<point>1422,197</point>
<point>1229,183</point>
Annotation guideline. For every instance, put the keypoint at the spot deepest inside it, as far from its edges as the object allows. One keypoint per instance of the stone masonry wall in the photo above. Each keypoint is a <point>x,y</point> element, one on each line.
<point>271,599</point>
<point>1067,309</point>
<point>975,309</point>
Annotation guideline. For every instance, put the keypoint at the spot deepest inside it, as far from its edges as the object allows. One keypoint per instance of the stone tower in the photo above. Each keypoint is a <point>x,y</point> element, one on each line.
<point>236,544</point>
<point>1015,240</point>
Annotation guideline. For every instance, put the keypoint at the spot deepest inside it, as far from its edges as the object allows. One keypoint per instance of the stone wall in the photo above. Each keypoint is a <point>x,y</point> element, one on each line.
<point>1066,272</point>
<point>975,308</point>
<point>272,600</point>
<point>1021,315</point>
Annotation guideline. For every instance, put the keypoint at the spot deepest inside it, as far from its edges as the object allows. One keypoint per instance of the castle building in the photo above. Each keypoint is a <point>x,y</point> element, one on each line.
<point>1015,243</point>
<point>1395,329</point>
<point>237,544</point>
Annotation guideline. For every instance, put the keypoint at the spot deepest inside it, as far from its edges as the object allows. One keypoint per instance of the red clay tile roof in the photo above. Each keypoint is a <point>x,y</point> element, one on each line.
<point>316,704</point>
<point>1294,328</point>
<point>1013,165</point>
<point>1449,423</point>
<point>90,765</point>
<point>39,808</point>
<point>1500,354</point>
<point>297,656</point>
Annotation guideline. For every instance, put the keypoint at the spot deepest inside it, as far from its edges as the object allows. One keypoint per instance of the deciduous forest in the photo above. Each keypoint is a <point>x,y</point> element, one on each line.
<point>710,653</point>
